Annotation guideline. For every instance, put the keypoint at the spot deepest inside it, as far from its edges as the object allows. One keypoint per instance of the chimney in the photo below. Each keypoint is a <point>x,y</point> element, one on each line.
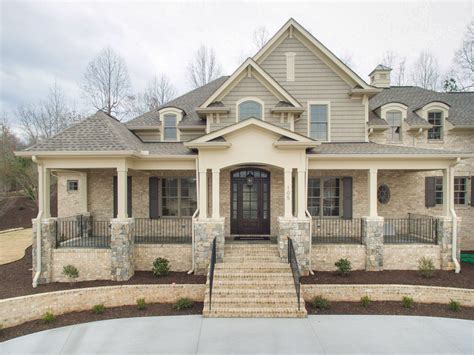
<point>380,76</point>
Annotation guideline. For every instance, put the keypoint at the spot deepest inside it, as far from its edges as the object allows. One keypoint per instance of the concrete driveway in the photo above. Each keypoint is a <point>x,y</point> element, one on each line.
<point>13,245</point>
<point>197,335</point>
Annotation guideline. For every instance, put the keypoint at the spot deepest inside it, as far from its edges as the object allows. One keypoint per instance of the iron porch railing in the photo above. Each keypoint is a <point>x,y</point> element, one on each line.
<point>416,229</point>
<point>295,270</point>
<point>163,230</point>
<point>212,266</point>
<point>82,232</point>
<point>336,230</point>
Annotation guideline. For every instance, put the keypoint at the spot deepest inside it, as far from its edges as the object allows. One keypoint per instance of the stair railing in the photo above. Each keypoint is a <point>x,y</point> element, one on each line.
<point>295,269</point>
<point>212,265</point>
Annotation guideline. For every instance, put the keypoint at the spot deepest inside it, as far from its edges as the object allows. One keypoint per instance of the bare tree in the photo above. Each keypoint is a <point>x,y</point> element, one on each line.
<point>106,82</point>
<point>203,68</point>
<point>398,65</point>
<point>260,37</point>
<point>425,72</point>
<point>462,71</point>
<point>158,92</point>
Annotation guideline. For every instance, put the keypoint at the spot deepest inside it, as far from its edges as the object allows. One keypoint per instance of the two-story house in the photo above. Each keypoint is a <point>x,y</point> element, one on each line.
<point>293,145</point>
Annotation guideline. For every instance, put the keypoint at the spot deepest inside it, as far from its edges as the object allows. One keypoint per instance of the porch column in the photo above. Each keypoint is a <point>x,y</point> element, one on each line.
<point>203,194</point>
<point>122,193</point>
<point>288,192</point>
<point>372,189</point>
<point>83,192</point>
<point>301,193</point>
<point>215,193</point>
<point>448,195</point>
<point>44,190</point>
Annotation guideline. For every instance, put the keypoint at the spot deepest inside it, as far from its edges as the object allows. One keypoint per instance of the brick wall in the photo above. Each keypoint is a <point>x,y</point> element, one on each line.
<point>179,256</point>
<point>407,256</point>
<point>68,201</point>
<point>323,256</point>
<point>93,264</point>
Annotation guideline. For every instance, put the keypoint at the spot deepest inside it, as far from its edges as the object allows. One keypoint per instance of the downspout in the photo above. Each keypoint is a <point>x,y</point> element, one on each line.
<point>194,218</point>
<point>457,266</point>
<point>38,235</point>
<point>311,272</point>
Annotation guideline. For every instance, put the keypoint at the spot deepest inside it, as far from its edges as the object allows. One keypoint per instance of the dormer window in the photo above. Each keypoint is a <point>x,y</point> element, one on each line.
<point>249,109</point>
<point>170,132</point>
<point>394,120</point>
<point>435,118</point>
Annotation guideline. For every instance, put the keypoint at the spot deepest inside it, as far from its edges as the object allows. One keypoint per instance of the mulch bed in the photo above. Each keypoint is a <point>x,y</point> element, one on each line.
<point>465,279</point>
<point>394,308</point>
<point>16,279</point>
<point>155,309</point>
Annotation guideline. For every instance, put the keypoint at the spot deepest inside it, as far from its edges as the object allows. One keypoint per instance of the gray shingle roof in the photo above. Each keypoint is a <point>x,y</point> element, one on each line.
<point>375,120</point>
<point>461,110</point>
<point>187,102</point>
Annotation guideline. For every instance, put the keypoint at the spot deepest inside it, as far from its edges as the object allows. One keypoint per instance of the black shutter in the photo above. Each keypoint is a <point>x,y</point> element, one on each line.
<point>472,190</point>
<point>153,197</point>
<point>129,196</point>
<point>115,198</point>
<point>347,197</point>
<point>430,191</point>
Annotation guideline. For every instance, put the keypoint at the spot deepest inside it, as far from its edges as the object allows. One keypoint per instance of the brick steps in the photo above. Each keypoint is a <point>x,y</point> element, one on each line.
<point>243,293</point>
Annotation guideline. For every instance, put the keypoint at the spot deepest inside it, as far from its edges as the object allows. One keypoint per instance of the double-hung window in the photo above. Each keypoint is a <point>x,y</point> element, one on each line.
<point>435,118</point>
<point>178,197</point>
<point>439,190</point>
<point>394,120</point>
<point>319,121</point>
<point>170,132</point>
<point>460,190</point>
<point>325,197</point>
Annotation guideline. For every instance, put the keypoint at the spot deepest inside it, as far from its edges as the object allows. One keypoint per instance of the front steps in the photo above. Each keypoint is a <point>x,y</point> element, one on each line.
<point>253,282</point>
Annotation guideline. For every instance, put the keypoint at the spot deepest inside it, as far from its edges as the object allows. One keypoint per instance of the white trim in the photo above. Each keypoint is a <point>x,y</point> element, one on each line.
<point>179,117</point>
<point>290,66</point>
<point>395,107</point>
<point>319,102</point>
<point>249,98</point>
<point>435,106</point>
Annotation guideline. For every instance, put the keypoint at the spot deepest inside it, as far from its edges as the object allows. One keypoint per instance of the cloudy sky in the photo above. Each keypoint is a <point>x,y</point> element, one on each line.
<point>43,42</point>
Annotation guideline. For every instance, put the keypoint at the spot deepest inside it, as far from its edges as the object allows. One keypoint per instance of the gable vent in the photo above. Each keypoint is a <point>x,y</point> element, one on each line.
<point>290,66</point>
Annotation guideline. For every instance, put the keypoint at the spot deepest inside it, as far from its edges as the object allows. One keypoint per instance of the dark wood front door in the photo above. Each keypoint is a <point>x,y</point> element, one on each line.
<point>250,201</point>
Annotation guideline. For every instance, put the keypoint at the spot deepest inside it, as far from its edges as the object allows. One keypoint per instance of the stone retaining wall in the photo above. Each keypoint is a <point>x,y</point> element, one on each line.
<point>14,311</point>
<point>179,256</point>
<point>93,264</point>
<point>407,256</point>
<point>323,256</point>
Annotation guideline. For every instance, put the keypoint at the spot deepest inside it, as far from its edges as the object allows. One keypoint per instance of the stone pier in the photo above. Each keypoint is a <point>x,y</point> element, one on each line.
<point>48,243</point>
<point>373,240</point>
<point>204,233</point>
<point>444,230</point>
<point>299,232</point>
<point>122,246</point>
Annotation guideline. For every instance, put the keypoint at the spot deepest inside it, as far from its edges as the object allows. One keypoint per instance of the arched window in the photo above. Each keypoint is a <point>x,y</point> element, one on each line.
<point>250,109</point>
<point>394,120</point>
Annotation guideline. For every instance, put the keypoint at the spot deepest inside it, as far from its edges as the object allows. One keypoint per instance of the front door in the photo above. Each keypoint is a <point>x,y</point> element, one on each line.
<point>250,201</point>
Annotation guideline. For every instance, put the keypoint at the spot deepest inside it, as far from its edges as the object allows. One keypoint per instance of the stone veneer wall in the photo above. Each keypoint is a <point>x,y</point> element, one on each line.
<point>299,232</point>
<point>323,256</point>
<point>407,256</point>
<point>204,233</point>
<point>93,264</point>
<point>179,255</point>
<point>68,201</point>
<point>121,246</point>
<point>48,243</point>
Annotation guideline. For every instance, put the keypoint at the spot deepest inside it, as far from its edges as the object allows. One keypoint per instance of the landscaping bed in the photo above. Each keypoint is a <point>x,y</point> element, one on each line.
<point>16,279</point>
<point>155,309</point>
<point>465,279</point>
<point>393,308</point>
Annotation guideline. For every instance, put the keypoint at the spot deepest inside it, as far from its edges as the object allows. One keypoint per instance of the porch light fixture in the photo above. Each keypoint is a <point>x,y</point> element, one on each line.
<point>249,179</point>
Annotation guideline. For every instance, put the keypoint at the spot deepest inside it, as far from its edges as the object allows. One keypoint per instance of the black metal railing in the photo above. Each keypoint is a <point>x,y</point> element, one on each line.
<point>416,229</point>
<point>212,266</point>
<point>82,232</point>
<point>337,231</point>
<point>295,270</point>
<point>163,230</point>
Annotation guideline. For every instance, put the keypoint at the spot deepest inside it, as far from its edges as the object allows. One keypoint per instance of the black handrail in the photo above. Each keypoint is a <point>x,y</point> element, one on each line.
<point>211,270</point>
<point>295,269</point>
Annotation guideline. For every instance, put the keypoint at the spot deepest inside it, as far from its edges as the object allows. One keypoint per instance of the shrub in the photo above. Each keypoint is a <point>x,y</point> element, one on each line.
<point>141,304</point>
<point>71,272</point>
<point>319,302</point>
<point>183,303</point>
<point>98,309</point>
<point>49,317</point>
<point>343,266</point>
<point>426,267</point>
<point>407,302</point>
<point>454,306</point>
<point>365,301</point>
<point>161,267</point>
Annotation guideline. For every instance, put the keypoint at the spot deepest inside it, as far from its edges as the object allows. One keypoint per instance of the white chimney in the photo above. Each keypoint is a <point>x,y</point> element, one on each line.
<point>380,76</point>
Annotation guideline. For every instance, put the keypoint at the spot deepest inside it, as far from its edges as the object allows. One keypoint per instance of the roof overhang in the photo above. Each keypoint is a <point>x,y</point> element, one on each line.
<point>360,92</point>
<point>287,109</point>
<point>219,109</point>
<point>464,127</point>
<point>295,145</point>
<point>379,127</point>
<point>143,128</point>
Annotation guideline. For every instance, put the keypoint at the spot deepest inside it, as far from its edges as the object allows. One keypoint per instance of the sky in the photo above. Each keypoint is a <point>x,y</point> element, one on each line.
<point>44,42</point>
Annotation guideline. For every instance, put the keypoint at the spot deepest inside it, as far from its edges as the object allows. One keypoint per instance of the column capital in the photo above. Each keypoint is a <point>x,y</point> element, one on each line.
<point>216,170</point>
<point>288,170</point>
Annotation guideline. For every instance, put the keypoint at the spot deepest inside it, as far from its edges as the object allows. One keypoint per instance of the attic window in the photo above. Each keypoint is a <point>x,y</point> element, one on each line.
<point>170,132</point>
<point>250,109</point>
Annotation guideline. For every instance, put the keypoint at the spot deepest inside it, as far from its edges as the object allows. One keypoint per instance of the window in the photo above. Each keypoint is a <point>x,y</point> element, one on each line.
<point>318,123</point>
<point>460,190</point>
<point>439,190</point>
<point>170,133</point>
<point>324,197</point>
<point>250,109</point>
<point>178,197</point>
<point>436,119</point>
<point>383,194</point>
<point>394,120</point>
<point>72,185</point>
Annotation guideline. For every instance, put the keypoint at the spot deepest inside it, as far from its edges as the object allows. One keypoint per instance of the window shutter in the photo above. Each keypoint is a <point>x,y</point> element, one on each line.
<point>347,197</point>
<point>430,191</point>
<point>115,198</point>
<point>129,196</point>
<point>472,190</point>
<point>153,197</point>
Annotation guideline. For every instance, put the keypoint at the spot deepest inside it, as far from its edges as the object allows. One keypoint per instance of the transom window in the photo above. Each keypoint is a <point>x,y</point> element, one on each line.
<point>460,190</point>
<point>250,109</point>
<point>324,197</point>
<point>318,121</point>
<point>170,132</point>
<point>394,120</point>
<point>178,197</point>
<point>436,119</point>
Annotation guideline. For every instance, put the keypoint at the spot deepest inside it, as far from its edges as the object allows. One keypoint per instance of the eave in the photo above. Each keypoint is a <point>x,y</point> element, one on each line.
<point>295,145</point>
<point>287,109</point>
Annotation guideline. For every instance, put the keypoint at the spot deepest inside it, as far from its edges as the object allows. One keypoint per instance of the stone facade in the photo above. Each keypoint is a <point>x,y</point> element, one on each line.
<point>323,256</point>
<point>373,240</point>
<point>93,264</point>
<point>48,243</point>
<point>121,245</point>
<point>299,232</point>
<point>179,256</point>
<point>445,239</point>
<point>407,256</point>
<point>204,233</point>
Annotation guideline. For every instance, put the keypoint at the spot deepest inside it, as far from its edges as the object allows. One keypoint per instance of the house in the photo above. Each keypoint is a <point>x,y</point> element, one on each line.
<point>293,145</point>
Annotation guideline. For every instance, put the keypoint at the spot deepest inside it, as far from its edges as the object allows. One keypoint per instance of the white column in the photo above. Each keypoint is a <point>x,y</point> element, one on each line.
<point>44,191</point>
<point>122,193</point>
<point>215,193</point>
<point>301,193</point>
<point>448,194</point>
<point>203,194</point>
<point>288,193</point>
<point>83,192</point>
<point>372,180</point>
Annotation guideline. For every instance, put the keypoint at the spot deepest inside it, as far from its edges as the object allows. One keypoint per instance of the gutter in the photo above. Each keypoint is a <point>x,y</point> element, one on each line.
<point>457,266</point>
<point>38,238</point>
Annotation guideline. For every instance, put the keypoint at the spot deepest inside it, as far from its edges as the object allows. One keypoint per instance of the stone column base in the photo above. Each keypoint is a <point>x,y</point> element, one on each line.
<point>373,240</point>
<point>205,230</point>
<point>444,230</point>
<point>122,245</point>
<point>299,232</point>
<point>48,243</point>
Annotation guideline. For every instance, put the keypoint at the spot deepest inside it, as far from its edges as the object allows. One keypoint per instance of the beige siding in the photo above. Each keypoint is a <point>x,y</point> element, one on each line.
<point>314,80</point>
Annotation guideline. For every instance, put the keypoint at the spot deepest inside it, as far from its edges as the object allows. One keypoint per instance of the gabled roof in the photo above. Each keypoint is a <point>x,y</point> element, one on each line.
<point>237,76</point>
<point>381,67</point>
<point>291,25</point>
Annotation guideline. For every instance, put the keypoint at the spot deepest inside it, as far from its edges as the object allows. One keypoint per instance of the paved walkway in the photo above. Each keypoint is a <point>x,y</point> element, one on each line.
<point>197,335</point>
<point>13,245</point>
